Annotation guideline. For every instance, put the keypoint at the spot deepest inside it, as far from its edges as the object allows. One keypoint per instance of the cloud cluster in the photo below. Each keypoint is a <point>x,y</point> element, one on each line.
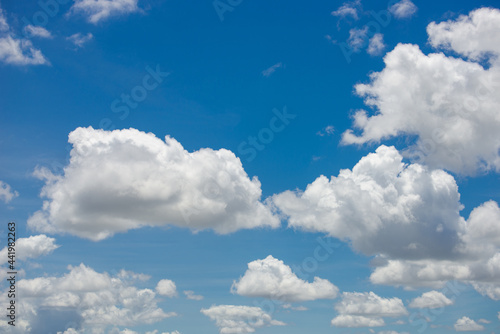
<point>232,319</point>
<point>101,10</point>
<point>125,179</point>
<point>17,51</point>
<point>366,309</point>
<point>348,9</point>
<point>84,299</point>
<point>271,278</point>
<point>448,103</point>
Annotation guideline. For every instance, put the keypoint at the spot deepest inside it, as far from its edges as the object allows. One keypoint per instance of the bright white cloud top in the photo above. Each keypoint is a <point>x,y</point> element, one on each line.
<point>124,179</point>
<point>30,248</point>
<point>273,279</point>
<point>466,324</point>
<point>431,299</point>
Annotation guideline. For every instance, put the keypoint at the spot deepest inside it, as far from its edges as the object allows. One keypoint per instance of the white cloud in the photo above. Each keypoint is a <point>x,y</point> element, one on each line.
<point>346,320</point>
<point>100,10</point>
<point>431,299</point>
<point>91,300</point>
<point>20,52</point>
<point>348,9</point>
<point>466,324</point>
<point>392,332</point>
<point>16,51</point>
<point>271,278</point>
<point>190,295</point>
<point>36,31</point>
<point>474,35</point>
<point>6,193</point>
<point>484,321</point>
<point>294,308</point>
<point>125,179</point>
<point>370,304</point>
<point>167,288</point>
<point>448,103</point>
<point>30,248</point>
<point>357,38</point>
<point>403,9</point>
<point>382,206</point>
<point>366,309</point>
<point>4,26</point>
<point>233,319</point>
<point>79,40</point>
<point>267,72</point>
<point>327,131</point>
<point>376,44</point>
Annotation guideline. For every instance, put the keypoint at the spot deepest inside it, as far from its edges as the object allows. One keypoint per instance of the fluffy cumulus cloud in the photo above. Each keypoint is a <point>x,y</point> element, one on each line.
<point>96,11</point>
<point>449,104</point>
<point>405,215</point>
<point>232,319</point>
<point>431,299</point>
<point>84,300</point>
<point>474,36</point>
<point>125,179</point>
<point>6,192</point>
<point>271,278</point>
<point>466,324</point>
<point>366,309</point>
<point>31,247</point>
<point>403,9</point>
<point>167,288</point>
<point>382,206</point>
<point>16,51</point>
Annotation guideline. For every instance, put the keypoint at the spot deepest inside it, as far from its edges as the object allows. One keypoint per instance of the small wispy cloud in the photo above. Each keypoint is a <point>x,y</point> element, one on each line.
<point>348,9</point>
<point>269,71</point>
<point>6,193</point>
<point>35,31</point>
<point>376,45</point>
<point>327,131</point>
<point>190,295</point>
<point>101,10</point>
<point>79,40</point>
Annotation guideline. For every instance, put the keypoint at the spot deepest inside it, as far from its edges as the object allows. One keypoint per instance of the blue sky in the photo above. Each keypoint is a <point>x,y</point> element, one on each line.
<point>245,166</point>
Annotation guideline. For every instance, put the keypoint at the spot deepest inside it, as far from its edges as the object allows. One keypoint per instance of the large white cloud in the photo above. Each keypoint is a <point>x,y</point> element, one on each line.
<point>100,10</point>
<point>382,206</point>
<point>232,319</point>
<point>85,300</point>
<point>366,309</point>
<point>431,299</point>
<point>125,179</point>
<point>31,247</point>
<point>449,104</point>
<point>408,217</point>
<point>466,324</point>
<point>271,278</point>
